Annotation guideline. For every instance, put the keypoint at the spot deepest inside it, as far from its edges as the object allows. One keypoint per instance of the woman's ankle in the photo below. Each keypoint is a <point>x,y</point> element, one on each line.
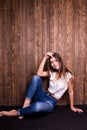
<point>26,103</point>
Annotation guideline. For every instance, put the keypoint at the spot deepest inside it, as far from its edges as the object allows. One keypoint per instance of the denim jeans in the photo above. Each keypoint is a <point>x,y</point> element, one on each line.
<point>43,102</point>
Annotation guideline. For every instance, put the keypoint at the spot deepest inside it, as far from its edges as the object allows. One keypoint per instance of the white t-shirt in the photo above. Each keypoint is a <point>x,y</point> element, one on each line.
<point>58,87</point>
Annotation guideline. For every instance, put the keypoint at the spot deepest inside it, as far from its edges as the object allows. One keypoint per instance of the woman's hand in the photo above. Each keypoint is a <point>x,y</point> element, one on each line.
<point>76,110</point>
<point>71,97</point>
<point>49,54</point>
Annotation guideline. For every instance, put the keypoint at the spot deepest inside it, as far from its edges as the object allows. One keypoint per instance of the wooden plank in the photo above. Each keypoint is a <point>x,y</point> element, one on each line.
<point>1,54</point>
<point>45,26</point>
<point>79,51</point>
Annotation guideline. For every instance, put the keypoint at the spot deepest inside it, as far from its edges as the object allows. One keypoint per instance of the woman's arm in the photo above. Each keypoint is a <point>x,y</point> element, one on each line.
<point>71,96</point>
<point>41,71</point>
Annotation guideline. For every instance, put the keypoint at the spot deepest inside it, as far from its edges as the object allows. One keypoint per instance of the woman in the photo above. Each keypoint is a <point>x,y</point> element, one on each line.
<point>60,80</point>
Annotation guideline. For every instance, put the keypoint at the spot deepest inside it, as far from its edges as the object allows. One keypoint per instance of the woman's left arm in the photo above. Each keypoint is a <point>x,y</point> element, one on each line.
<point>71,96</point>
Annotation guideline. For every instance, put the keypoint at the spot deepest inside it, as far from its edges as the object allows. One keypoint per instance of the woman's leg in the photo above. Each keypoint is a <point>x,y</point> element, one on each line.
<point>35,90</point>
<point>35,108</point>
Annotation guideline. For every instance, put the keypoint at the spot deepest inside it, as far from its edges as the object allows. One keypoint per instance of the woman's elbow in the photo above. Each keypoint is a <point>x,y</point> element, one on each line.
<point>38,73</point>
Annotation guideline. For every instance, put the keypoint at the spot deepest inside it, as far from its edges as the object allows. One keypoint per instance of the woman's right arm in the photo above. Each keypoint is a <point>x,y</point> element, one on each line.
<point>41,71</point>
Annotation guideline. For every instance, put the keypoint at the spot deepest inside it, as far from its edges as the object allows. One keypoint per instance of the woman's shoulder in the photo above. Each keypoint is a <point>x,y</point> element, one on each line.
<point>69,75</point>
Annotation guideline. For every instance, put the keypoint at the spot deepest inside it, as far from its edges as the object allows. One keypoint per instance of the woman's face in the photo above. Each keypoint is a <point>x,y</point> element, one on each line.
<point>54,63</point>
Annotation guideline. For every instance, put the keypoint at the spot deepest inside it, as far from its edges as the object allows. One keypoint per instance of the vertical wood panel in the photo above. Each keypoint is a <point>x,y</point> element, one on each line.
<point>30,47</point>
<point>80,23</point>
<point>7,46</point>
<point>28,29</point>
<point>70,53</point>
<point>1,53</point>
<point>45,25</point>
<point>38,30</point>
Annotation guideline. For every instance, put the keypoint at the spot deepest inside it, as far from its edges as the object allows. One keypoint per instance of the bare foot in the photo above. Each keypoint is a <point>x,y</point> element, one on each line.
<point>8,113</point>
<point>1,113</point>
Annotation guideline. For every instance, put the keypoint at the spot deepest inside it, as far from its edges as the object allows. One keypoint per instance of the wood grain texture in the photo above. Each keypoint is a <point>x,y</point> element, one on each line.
<point>30,28</point>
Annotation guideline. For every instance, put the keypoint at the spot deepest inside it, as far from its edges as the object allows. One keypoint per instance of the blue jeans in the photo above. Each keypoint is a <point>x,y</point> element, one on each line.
<point>43,101</point>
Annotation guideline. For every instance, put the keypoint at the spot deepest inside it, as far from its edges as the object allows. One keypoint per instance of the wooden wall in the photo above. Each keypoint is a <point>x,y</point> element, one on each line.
<point>30,28</point>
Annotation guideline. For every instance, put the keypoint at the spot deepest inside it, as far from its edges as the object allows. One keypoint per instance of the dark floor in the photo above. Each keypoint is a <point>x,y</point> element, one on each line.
<point>62,118</point>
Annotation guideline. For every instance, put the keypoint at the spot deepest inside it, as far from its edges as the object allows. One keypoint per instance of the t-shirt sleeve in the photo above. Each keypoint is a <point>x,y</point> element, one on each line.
<point>69,76</point>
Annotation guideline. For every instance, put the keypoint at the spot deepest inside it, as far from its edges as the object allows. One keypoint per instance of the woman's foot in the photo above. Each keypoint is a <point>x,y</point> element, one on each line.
<point>1,113</point>
<point>20,117</point>
<point>15,112</point>
<point>9,113</point>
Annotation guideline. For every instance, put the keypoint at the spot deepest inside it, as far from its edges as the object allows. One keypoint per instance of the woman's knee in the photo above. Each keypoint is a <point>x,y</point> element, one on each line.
<point>36,78</point>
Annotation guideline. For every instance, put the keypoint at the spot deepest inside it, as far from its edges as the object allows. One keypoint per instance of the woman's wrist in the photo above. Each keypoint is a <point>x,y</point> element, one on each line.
<point>72,106</point>
<point>45,58</point>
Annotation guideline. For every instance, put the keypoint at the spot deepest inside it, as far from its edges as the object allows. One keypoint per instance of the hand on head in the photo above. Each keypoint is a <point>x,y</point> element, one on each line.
<point>49,54</point>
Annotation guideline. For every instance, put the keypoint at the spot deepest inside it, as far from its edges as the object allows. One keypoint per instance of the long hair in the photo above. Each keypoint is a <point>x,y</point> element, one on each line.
<point>62,69</point>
